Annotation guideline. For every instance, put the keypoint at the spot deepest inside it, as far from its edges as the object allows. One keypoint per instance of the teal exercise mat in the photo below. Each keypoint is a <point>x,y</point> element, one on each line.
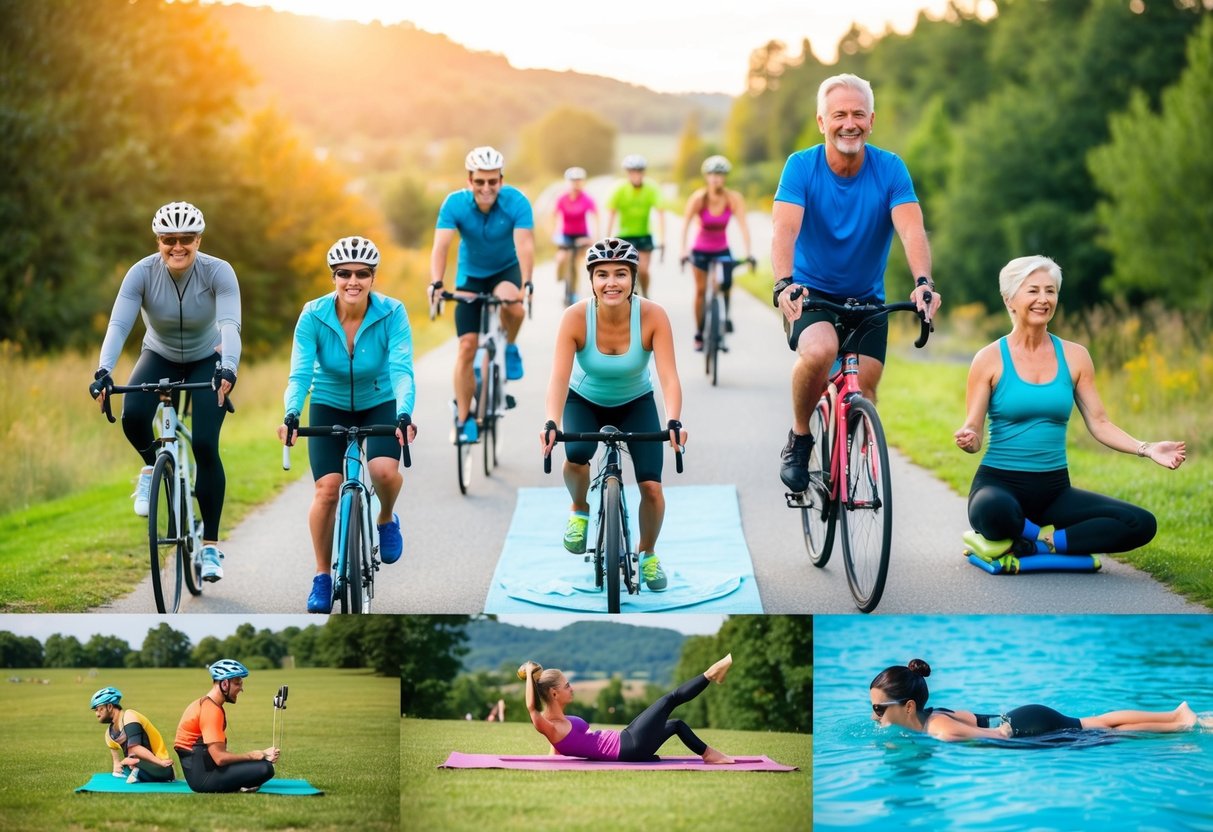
<point>702,550</point>
<point>108,783</point>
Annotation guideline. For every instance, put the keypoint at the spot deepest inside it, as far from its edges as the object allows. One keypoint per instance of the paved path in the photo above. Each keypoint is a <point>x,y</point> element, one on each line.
<point>736,432</point>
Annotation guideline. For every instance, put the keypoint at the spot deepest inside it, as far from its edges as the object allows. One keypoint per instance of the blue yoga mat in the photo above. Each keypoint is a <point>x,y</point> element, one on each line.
<point>106,782</point>
<point>1041,563</point>
<point>702,550</point>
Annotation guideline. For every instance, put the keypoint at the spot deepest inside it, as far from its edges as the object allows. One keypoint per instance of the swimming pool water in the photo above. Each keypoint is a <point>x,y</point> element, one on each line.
<point>867,777</point>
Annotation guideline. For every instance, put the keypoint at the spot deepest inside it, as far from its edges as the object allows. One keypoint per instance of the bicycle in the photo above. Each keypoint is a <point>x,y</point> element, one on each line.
<point>174,522</point>
<point>849,475</point>
<point>612,555</point>
<point>490,401</point>
<point>716,323</point>
<point>568,268</point>
<point>355,557</point>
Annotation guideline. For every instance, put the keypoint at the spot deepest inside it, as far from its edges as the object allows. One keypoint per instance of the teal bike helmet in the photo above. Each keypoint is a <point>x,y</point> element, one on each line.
<point>227,669</point>
<point>105,696</point>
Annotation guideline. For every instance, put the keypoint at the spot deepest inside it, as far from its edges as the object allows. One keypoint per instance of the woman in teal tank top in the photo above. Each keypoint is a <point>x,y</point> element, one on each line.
<point>600,376</point>
<point>1028,383</point>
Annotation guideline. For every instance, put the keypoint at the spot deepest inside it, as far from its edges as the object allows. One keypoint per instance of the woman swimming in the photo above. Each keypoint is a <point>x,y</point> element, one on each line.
<point>899,697</point>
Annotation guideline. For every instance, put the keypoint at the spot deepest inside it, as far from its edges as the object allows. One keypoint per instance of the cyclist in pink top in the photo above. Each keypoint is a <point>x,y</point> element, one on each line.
<point>548,692</point>
<point>572,212</point>
<point>712,207</point>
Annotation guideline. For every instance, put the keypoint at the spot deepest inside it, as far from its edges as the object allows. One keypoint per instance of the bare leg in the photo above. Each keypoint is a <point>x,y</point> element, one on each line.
<point>718,671</point>
<point>320,520</point>
<point>815,352</point>
<point>652,513</point>
<point>714,757</point>
<point>385,474</point>
<point>1183,718</point>
<point>577,481</point>
<point>701,285</point>
<point>465,379</point>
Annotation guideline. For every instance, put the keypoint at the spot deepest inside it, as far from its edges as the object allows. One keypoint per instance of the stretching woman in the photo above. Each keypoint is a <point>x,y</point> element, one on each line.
<point>548,692</point>
<point>899,697</point>
<point>1029,382</point>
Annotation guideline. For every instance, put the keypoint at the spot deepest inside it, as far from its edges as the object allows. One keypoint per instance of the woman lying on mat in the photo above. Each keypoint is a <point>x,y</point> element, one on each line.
<point>548,692</point>
<point>899,697</point>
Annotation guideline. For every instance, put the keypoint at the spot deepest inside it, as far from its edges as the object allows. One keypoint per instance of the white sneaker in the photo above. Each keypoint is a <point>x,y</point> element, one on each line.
<point>212,570</point>
<point>143,491</point>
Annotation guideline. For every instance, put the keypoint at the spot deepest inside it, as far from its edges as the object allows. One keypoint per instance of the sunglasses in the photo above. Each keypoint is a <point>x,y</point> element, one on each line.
<point>492,183</point>
<point>184,239</point>
<point>346,274</point>
<point>879,708</point>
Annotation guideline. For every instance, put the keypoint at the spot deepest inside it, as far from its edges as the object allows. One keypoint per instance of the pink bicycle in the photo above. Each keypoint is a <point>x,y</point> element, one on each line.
<point>849,474</point>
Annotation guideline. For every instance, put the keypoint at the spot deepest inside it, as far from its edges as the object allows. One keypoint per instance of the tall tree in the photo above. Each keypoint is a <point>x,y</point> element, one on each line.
<point>64,651</point>
<point>563,138</point>
<point>165,647</point>
<point>106,651</point>
<point>432,646</point>
<point>19,651</point>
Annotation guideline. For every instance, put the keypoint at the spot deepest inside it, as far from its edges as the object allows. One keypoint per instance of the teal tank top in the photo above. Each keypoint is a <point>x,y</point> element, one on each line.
<point>611,380</point>
<point>1028,421</point>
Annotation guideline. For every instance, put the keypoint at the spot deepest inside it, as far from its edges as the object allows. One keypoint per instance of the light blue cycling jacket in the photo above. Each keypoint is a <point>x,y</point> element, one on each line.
<point>379,370</point>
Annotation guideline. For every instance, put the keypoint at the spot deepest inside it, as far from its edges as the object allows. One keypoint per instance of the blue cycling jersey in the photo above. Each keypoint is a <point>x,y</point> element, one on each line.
<point>486,239</point>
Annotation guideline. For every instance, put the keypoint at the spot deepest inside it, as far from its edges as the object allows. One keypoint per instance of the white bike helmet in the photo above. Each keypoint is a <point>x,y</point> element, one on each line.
<point>227,669</point>
<point>716,164</point>
<point>612,250</point>
<point>574,173</point>
<point>353,250</point>
<point>484,158</point>
<point>178,218</point>
<point>634,161</point>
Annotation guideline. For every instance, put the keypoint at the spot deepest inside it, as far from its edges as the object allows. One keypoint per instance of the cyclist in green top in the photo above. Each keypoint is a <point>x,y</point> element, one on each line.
<point>635,201</point>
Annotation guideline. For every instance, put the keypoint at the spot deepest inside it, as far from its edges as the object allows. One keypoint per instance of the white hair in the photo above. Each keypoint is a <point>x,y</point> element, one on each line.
<point>1013,274</point>
<point>844,80</point>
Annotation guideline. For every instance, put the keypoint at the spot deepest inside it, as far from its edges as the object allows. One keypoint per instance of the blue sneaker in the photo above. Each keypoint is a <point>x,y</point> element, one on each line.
<point>391,545</point>
<point>513,362</point>
<point>321,597</point>
<point>212,570</point>
<point>469,433</point>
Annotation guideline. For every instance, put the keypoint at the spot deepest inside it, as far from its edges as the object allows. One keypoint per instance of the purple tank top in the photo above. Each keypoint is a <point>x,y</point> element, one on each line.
<point>712,236</point>
<point>593,745</point>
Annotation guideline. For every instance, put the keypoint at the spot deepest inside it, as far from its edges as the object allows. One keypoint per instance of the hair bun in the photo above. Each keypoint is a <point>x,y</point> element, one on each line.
<point>535,670</point>
<point>920,667</point>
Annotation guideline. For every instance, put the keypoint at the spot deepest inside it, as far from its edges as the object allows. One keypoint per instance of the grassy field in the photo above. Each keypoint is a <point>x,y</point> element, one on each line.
<point>523,801</point>
<point>341,735</point>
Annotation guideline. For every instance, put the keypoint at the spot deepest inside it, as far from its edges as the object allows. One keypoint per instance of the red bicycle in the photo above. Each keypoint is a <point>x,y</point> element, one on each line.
<point>849,474</point>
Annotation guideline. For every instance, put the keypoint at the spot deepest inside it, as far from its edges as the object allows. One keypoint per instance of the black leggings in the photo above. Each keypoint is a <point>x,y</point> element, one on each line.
<point>637,416</point>
<point>999,502</point>
<point>1034,720</point>
<point>139,409</point>
<point>204,776</point>
<point>649,731</point>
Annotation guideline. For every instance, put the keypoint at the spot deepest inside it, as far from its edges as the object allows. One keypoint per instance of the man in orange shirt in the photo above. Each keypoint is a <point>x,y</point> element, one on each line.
<point>201,741</point>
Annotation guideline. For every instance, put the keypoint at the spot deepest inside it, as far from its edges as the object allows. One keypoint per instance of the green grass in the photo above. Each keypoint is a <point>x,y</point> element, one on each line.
<point>341,735</point>
<point>523,801</point>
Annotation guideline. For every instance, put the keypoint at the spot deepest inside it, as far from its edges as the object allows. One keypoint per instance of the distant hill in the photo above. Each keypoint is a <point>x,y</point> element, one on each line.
<point>400,83</point>
<point>584,648</point>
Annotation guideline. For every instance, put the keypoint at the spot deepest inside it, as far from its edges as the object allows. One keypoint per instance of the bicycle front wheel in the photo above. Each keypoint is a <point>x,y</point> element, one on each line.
<point>820,516</point>
<point>711,347</point>
<point>165,542</point>
<point>352,555</point>
<point>612,540</point>
<point>867,509</point>
<point>492,393</point>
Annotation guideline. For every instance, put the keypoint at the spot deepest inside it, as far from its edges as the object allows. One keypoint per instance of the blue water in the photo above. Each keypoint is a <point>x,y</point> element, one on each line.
<point>866,777</point>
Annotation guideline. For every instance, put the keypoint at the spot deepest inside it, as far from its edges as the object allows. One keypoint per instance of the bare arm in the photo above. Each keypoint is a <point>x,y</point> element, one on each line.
<point>663,356</point>
<point>1169,454</point>
<point>443,237</point>
<point>568,337</point>
<point>141,752</point>
<point>688,217</point>
<point>117,770</point>
<point>786,219</point>
<point>737,202</point>
<point>907,219</point>
<point>541,723</point>
<point>524,244</point>
<point>944,728</point>
<point>223,757</point>
<point>977,398</point>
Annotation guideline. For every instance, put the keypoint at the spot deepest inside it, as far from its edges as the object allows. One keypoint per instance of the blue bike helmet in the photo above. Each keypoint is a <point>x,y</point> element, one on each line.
<point>227,669</point>
<point>105,696</point>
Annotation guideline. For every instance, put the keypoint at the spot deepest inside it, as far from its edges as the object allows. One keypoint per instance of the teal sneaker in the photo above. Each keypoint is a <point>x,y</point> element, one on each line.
<point>575,532</point>
<point>650,570</point>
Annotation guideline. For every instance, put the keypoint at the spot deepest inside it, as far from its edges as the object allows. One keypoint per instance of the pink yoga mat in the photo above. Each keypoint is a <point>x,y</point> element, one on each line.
<point>555,762</point>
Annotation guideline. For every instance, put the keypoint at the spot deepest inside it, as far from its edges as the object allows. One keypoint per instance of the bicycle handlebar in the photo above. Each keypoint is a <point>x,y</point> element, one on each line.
<point>614,437</point>
<point>476,297</point>
<point>164,387</point>
<point>854,309</point>
<point>349,432</point>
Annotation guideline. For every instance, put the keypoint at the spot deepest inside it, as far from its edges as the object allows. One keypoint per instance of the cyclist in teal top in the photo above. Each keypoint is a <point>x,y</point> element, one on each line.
<point>600,376</point>
<point>496,255</point>
<point>1029,382</point>
<point>353,352</point>
<point>635,201</point>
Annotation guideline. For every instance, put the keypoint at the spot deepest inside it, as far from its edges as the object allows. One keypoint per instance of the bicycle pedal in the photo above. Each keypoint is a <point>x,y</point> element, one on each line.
<point>510,403</point>
<point>722,346</point>
<point>795,499</point>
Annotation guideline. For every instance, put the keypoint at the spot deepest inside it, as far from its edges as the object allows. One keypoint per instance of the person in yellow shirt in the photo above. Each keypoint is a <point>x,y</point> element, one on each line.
<point>132,739</point>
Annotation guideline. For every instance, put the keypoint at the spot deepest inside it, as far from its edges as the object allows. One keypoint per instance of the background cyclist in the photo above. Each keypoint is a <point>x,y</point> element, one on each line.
<point>496,254</point>
<point>835,211</point>
<point>600,376</point>
<point>353,352</point>
<point>190,304</point>
<point>132,739</point>
<point>572,211</point>
<point>711,207</point>
<point>201,740</point>
<point>635,201</point>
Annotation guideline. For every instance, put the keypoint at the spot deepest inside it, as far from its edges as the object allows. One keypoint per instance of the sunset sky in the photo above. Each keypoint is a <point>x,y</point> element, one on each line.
<point>669,46</point>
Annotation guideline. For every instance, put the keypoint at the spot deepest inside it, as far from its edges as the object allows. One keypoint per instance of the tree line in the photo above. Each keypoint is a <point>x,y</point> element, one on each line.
<point>345,642</point>
<point>1073,128</point>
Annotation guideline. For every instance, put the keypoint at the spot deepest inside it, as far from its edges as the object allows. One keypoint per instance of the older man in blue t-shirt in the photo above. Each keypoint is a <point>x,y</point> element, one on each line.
<point>496,254</point>
<point>835,212</point>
